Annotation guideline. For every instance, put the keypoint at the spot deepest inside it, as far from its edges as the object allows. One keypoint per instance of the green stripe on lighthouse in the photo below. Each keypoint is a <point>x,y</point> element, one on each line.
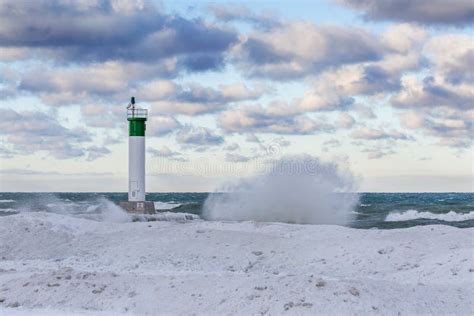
<point>136,126</point>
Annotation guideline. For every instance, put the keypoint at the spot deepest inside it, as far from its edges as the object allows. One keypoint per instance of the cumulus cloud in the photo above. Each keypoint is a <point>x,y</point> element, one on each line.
<point>452,56</point>
<point>433,92</point>
<point>275,118</point>
<point>451,127</point>
<point>377,152</point>
<point>441,12</point>
<point>108,82</point>
<point>296,49</point>
<point>345,120</point>
<point>166,152</point>
<point>233,157</point>
<point>379,134</point>
<point>337,87</point>
<point>196,99</point>
<point>239,13</point>
<point>102,115</point>
<point>162,125</point>
<point>202,136</point>
<point>232,147</point>
<point>78,31</point>
<point>32,131</point>
<point>113,82</point>
<point>94,152</point>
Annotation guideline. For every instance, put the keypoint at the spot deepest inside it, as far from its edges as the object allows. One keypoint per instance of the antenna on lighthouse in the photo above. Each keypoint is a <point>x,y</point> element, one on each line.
<point>136,118</point>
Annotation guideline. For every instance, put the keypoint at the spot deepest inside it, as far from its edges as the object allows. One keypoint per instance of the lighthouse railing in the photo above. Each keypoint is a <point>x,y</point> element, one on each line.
<point>137,113</point>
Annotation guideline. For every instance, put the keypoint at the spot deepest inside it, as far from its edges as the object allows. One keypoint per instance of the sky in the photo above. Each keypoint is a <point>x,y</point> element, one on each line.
<point>383,88</point>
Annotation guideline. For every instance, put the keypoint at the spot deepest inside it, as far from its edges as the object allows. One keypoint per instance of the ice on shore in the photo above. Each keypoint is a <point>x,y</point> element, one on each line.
<point>60,265</point>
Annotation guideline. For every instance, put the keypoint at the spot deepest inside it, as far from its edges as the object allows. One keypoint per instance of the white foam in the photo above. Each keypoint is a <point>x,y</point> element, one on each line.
<point>166,205</point>
<point>7,201</point>
<point>299,189</point>
<point>8,210</point>
<point>414,214</point>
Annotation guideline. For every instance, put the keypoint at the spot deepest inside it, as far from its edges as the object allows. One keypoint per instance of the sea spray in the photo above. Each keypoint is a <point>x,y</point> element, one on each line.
<point>299,189</point>
<point>96,208</point>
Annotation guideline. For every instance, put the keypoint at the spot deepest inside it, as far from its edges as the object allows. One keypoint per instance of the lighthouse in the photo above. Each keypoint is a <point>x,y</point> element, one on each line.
<point>136,203</point>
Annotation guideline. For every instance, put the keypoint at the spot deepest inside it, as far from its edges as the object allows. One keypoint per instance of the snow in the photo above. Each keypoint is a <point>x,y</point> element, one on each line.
<point>54,264</point>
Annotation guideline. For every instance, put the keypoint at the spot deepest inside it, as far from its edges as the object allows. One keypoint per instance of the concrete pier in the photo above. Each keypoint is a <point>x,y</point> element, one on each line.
<point>142,207</point>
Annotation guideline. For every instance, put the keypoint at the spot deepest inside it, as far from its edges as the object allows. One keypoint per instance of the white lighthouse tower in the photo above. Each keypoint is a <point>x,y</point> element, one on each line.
<point>136,118</point>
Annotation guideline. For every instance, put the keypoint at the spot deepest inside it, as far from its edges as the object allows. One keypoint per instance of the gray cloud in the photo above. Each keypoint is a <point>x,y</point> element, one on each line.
<point>32,131</point>
<point>232,147</point>
<point>233,157</point>
<point>275,118</point>
<point>450,126</point>
<point>75,31</point>
<point>162,125</point>
<point>452,57</point>
<point>94,152</point>
<point>377,153</point>
<point>196,99</point>
<point>297,49</point>
<point>166,152</point>
<point>112,82</point>
<point>432,92</point>
<point>201,136</point>
<point>441,12</point>
<point>239,13</point>
<point>379,134</point>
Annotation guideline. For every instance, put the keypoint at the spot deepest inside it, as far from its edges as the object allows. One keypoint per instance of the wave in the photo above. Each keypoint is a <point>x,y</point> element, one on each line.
<point>7,201</point>
<point>414,214</point>
<point>8,210</point>
<point>166,205</point>
<point>297,189</point>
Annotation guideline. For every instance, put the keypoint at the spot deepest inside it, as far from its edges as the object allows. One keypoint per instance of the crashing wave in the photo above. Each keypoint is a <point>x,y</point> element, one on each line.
<point>414,214</point>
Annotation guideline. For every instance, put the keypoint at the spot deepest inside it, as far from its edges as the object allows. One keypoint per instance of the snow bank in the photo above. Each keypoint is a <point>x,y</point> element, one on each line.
<point>414,214</point>
<point>55,264</point>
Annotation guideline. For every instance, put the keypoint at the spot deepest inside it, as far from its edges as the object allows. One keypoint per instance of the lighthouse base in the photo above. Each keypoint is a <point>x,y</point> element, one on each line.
<point>143,207</point>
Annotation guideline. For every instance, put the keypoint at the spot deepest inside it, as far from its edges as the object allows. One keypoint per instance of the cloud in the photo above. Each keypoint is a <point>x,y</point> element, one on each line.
<point>96,31</point>
<point>202,136</point>
<point>437,12</point>
<point>452,56</point>
<point>113,82</point>
<point>102,115</point>
<point>451,127</point>
<point>345,121</point>
<point>275,118</point>
<point>432,92</point>
<point>232,147</point>
<point>162,125</point>
<point>196,99</point>
<point>94,152</point>
<point>297,49</point>
<point>365,112</point>
<point>252,138</point>
<point>232,157</point>
<point>166,152</point>
<point>336,88</point>
<point>379,134</point>
<point>32,131</point>
<point>377,152</point>
<point>107,82</point>
<point>239,13</point>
